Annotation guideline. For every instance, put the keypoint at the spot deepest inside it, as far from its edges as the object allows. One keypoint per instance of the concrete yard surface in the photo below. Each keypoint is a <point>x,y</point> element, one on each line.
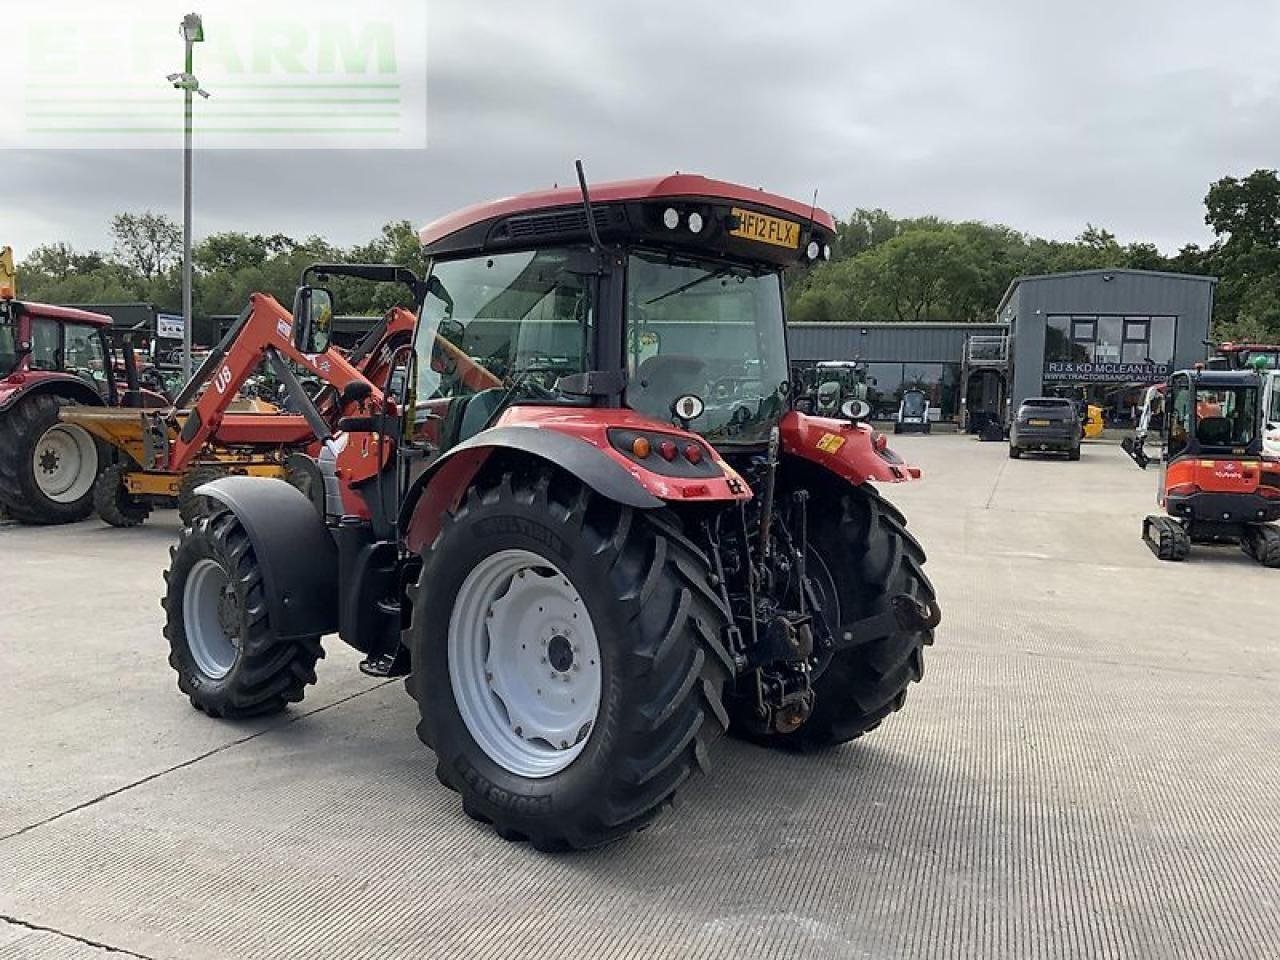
<point>1089,769</point>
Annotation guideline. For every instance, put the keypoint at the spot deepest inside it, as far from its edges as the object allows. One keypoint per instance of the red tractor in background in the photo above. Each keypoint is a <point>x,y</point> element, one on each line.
<point>593,523</point>
<point>52,357</point>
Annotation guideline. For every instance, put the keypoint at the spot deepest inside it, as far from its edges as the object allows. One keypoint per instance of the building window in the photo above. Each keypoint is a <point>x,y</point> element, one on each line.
<point>1110,339</point>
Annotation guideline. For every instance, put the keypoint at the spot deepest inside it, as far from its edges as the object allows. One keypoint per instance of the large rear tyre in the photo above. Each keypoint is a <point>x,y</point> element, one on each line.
<point>229,661</point>
<point>567,661</point>
<point>47,468</point>
<point>113,501</point>
<point>867,559</point>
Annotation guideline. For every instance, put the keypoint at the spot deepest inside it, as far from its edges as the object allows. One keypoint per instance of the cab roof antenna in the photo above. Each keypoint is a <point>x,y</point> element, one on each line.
<point>586,203</point>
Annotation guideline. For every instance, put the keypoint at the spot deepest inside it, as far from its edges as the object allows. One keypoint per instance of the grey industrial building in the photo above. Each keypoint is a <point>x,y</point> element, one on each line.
<point>1100,335</point>
<point>1104,333</point>
<point>898,356</point>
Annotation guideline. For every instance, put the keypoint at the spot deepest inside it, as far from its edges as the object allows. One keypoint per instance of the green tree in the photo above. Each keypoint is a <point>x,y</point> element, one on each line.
<point>147,243</point>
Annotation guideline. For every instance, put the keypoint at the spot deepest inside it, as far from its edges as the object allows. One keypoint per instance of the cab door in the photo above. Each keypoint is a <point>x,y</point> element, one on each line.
<point>1179,426</point>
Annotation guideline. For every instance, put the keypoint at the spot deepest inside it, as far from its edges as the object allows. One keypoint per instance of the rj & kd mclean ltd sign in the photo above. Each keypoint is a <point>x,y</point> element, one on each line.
<point>1058,370</point>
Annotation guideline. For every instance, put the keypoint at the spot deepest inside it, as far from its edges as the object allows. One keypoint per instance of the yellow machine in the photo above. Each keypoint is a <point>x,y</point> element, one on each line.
<point>1093,423</point>
<point>8,278</point>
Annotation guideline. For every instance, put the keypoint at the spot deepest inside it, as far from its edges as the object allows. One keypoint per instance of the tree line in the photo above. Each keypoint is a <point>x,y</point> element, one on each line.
<point>926,268</point>
<point>882,268</point>
<point>144,264</point>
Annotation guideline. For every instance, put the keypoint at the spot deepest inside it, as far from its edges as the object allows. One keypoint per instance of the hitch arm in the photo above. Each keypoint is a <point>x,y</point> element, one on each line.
<point>905,614</point>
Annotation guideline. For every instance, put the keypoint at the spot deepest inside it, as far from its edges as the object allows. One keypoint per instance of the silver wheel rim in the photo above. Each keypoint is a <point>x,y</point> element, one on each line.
<point>65,463</point>
<point>524,663</point>
<point>210,615</point>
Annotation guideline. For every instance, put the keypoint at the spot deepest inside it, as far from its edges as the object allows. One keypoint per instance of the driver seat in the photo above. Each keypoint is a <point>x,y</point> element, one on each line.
<point>660,379</point>
<point>479,410</point>
<point>1214,431</point>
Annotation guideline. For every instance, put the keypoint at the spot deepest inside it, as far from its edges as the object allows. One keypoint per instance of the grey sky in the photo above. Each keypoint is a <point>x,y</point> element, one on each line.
<point>1039,115</point>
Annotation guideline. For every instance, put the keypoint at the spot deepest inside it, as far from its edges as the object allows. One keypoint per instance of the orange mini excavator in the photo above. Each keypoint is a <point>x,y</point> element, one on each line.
<point>1216,485</point>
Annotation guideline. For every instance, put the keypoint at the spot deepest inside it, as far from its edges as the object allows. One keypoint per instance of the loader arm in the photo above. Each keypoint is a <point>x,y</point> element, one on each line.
<point>265,329</point>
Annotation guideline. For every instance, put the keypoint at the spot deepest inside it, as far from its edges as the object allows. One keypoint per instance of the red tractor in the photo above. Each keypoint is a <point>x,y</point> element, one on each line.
<point>52,357</point>
<point>595,525</point>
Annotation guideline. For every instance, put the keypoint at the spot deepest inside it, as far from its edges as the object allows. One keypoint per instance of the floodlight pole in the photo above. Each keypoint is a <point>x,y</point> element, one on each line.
<point>192,30</point>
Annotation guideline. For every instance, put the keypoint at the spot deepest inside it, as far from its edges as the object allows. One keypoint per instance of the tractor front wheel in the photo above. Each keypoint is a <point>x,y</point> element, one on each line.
<point>229,660</point>
<point>113,501</point>
<point>567,662</point>
<point>190,505</point>
<point>47,468</point>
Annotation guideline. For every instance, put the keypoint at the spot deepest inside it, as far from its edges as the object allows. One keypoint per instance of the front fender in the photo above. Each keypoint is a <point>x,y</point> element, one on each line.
<point>294,549</point>
<point>844,448</point>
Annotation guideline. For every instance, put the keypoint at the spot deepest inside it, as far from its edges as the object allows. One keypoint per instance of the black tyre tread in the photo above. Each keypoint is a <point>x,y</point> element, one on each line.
<point>674,670</point>
<point>272,672</point>
<point>1167,538</point>
<point>1262,543</point>
<point>191,506</point>
<point>114,504</point>
<point>1014,453</point>
<point>20,426</point>
<point>864,685</point>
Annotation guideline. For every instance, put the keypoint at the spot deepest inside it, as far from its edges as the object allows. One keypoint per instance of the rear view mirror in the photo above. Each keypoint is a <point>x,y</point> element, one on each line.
<point>855,410</point>
<point>312,319</point>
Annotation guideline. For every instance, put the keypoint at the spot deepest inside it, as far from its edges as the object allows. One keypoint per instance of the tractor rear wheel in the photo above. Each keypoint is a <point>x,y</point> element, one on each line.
<point>47,468</point>
<point>867,558</point>
<point>190,505</point>
<point>113,501</point>
<point>229,661</point>
<point>567,660</point>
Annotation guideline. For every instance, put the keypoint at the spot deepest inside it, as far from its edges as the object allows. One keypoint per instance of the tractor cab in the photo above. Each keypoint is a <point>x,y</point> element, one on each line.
<point>668,302</point>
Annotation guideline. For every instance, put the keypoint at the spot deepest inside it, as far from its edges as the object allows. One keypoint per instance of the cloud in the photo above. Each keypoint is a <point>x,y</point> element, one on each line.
<point>1040,116</point>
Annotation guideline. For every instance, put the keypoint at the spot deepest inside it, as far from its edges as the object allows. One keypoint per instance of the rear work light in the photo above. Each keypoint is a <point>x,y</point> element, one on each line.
<point>1270,492</point>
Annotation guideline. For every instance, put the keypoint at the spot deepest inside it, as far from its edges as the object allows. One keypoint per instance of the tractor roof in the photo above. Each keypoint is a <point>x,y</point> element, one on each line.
<point>472,228</point>
<point>51,312</point>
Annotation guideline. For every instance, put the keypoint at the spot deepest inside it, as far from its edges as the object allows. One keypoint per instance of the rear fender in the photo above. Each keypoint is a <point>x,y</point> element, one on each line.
<point>295,551</point>
<point>443,485</point>
<point>843,448</point>
<point>27,383</point>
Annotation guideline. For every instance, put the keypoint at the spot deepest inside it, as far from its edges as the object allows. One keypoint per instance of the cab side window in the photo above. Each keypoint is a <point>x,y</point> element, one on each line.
<point>45,346</point>
<point>82,355</point>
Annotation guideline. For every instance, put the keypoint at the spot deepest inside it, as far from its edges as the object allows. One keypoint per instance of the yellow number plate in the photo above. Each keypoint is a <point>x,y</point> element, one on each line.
<point>1038,423</point>
<point>766,229</point>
